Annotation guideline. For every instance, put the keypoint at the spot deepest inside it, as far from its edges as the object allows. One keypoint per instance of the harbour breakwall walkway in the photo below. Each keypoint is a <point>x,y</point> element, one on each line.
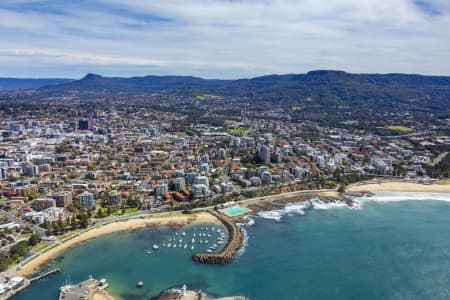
<point>228,253</point>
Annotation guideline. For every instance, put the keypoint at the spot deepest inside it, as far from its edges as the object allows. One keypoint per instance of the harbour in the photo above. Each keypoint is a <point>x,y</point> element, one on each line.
<point>324,243</point>
<point>229,251</point>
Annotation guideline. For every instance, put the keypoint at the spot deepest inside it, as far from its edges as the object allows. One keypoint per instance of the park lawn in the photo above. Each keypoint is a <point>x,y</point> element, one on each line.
<point>128,211</point>
<point>207,97</point>
<point>350,122</point>
<point>398,128</point>
<point>241,131</point>
<point>443,181</point>
<point>40,246</point>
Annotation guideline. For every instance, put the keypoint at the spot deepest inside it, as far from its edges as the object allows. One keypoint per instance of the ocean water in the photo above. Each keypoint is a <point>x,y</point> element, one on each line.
<point>385,248</point>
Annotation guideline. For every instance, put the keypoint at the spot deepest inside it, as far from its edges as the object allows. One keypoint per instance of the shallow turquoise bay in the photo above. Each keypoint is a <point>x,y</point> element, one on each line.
<point>396,250</point>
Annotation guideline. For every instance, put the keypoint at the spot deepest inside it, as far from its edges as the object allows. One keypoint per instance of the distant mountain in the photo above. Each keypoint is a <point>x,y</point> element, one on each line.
<point>134,85</point>
<point>25,83</point>
<point>331,80</point>
<point>322,88</point>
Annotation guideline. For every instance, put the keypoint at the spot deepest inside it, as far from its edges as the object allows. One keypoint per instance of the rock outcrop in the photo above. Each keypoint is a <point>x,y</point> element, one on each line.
<point>228,253</point>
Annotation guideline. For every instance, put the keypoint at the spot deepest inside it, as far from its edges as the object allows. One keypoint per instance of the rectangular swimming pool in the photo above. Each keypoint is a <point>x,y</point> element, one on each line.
<point>236,210</point>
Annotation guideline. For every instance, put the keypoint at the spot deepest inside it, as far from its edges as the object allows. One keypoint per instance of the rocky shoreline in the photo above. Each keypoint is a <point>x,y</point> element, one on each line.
<point>234,243</point>
<point>327,197</point>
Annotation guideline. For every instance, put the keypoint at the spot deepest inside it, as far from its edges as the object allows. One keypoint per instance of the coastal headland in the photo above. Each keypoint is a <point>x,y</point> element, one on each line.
<point>278,200</point>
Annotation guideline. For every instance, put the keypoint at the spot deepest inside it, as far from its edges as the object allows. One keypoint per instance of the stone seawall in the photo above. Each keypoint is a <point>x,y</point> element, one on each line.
<point>228,253</point>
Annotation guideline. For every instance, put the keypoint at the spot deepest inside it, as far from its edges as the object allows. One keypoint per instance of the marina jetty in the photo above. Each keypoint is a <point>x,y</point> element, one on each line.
<point>185,294</point>
<point>228,253</point>
<point>83,290</point>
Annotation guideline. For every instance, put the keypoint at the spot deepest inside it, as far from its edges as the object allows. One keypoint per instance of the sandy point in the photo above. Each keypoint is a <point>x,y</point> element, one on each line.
<point>131,224</point>
<point>101,295</point>
<point>394,186</point>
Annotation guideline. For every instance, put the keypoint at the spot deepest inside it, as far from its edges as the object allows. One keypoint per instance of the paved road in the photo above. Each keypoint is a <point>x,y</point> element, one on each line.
<point>13,218</point>
<point>408,134</point>
<point>439,159</point>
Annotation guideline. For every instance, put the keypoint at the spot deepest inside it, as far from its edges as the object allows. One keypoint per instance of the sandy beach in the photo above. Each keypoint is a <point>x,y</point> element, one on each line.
<point>101,295</point>
<point>395,186</point>
<point>175,220</point>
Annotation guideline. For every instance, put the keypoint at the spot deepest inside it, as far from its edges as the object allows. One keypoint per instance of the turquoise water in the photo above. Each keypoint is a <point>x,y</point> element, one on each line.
<point>235,210</point>
<point>397,250</point>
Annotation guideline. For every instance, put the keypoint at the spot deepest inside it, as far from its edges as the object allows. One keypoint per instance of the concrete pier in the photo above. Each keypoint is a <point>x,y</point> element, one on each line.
<point>46,274</point>
<point>83,290</point>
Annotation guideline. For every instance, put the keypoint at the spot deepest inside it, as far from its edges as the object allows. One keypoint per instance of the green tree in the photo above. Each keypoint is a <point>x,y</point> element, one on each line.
<point>99,213</point>
<point>34,239</point>
<point>20,249</point>
<point>5,262</point>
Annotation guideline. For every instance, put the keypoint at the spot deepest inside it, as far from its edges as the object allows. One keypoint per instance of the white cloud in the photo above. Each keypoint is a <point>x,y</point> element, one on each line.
<point>218,38</point>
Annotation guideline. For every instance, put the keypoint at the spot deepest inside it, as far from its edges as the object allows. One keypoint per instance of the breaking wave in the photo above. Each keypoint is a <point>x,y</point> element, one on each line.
<point>244,242</point>
<point>406,196</point>
<point>289,209</point>
<point>357,203</point>
<point>300,208</point>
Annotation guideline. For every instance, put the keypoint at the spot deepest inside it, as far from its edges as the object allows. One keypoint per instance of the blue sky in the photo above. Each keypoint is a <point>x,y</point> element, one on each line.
<point>222,38</point>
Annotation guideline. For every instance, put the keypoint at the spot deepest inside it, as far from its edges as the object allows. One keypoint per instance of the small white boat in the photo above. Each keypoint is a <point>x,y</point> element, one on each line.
<point>179,245</point>
<point>174,245</point>
<point>209,250</point>
<point>220,242</point>
<point>163,244</point>
<point>148,251</point>
<point>169,244</point>
<point>194,234</point>
<point>185,246</point>
<point>201,242</point>
<point>183,233</point>
<point>206,242</point>
<point>192,247</point>
<point>193,240</point>
<point>155,246</point>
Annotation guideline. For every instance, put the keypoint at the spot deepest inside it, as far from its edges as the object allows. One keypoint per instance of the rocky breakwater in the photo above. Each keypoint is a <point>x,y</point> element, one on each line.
<point>228,253</point>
